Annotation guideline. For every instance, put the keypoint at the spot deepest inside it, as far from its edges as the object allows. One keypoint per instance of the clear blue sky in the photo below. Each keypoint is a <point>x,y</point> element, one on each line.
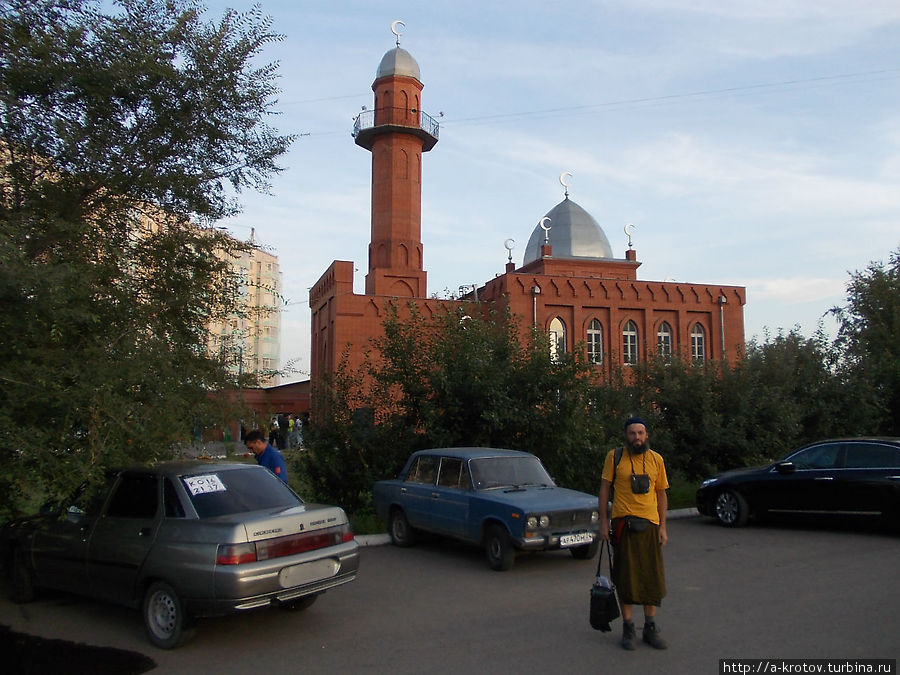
<point>750,142</point>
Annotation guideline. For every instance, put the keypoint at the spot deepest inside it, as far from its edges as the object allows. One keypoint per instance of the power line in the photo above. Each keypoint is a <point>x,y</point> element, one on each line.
<point>783,85</point>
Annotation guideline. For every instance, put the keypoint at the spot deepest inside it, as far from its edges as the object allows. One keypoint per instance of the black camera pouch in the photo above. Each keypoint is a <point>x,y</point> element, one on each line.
<point>640,483</point>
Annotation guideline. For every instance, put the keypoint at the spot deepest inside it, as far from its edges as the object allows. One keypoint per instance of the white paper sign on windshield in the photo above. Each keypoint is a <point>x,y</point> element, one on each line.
<point>199,485</point>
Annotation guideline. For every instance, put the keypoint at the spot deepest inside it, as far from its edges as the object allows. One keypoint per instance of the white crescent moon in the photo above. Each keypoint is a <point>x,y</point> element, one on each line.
<point>629,229</point>
<point>562,178</point>
<point>509,244</point>
<point>394,25</point>
<point>545,228</point>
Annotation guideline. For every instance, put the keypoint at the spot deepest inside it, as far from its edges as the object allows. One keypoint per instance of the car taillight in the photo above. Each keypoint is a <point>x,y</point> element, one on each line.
<point>236,554</point>
<point>300,543</point>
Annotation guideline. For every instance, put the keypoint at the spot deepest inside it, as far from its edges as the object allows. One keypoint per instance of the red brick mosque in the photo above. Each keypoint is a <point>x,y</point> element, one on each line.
<point>570,284</point>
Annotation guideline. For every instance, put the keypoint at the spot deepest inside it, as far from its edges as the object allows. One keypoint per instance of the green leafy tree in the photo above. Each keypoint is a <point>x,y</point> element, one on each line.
<point>456,379</point>
<point>123,126</point>
<point>869,339</point>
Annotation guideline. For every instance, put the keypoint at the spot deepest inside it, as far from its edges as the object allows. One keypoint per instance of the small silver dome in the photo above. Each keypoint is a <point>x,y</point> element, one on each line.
<point>398,61</point>
<point>573,234</point>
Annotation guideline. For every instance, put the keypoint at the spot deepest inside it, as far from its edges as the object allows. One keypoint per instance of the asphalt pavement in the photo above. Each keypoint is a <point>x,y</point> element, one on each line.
<point>762,592</point>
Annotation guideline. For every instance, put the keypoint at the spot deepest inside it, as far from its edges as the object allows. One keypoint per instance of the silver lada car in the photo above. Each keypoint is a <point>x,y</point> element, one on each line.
<point>184,540</point>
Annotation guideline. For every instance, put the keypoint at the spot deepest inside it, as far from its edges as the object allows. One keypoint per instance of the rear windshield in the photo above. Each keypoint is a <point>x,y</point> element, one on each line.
<point>221,493</point>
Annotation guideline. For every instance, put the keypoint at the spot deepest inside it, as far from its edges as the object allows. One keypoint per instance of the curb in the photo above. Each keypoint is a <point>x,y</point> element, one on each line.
<point>383,539</point>
<point>373,539</point>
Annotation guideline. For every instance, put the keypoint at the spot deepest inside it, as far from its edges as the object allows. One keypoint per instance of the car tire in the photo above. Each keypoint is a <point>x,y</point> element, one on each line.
<point>21,589</point>
<point>587,551</point>
<point>732,509</point>
<point>300,604</point>
<point>499,548</point>
<point>164,617</point>
<point>402,533</point>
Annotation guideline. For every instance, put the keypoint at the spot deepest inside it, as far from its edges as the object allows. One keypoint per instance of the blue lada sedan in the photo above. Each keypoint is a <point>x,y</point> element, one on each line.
<point>503,500</point>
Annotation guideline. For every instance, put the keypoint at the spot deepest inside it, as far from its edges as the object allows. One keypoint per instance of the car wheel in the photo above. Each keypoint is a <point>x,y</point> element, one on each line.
<point>300,604</point>
<point>499,549</point>
<point>402,534</point>
<point>587,551</point>
<point>164,617</point>
<point>22,588</point>
<point>732,509</point>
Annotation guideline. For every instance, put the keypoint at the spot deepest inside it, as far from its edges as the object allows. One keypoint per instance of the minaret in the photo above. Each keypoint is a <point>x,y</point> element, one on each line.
<point>396,132</point>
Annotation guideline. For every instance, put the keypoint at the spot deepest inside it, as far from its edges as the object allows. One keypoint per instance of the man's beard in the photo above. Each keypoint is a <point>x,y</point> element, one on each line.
<point>637,447</point>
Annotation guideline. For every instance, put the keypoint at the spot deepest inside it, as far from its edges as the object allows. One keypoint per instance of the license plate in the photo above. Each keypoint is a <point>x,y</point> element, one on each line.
<point>575,539</point>
<point>306,573</point>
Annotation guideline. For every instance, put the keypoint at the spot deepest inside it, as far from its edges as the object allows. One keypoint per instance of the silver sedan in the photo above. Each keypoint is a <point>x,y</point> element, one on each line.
<point>183,540</point>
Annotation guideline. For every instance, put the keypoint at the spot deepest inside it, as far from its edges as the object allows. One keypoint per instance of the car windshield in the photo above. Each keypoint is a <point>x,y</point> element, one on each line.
<point>503,472</point>
<point>221,493</point>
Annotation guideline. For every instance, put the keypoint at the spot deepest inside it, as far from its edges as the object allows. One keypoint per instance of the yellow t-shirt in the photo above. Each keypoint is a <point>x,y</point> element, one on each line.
<point>625,502</point>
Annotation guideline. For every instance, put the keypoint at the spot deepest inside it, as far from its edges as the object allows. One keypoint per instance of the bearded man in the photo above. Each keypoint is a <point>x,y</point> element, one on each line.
<point>637,475</point>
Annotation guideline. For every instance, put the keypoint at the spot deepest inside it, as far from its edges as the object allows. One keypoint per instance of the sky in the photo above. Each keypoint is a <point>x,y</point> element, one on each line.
<point>749,142</point>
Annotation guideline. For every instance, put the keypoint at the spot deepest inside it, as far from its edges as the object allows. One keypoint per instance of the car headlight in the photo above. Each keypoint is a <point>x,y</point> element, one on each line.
<point>535,522</point>
<point>708,481</point>
<point>594,517</point>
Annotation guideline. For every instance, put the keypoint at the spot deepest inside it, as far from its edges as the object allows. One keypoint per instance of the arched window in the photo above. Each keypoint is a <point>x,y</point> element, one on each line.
<point>595,341</point>
<point>698,343</point>
<point>630,343</point>
<point>557,339</point>
<point>664,340</point>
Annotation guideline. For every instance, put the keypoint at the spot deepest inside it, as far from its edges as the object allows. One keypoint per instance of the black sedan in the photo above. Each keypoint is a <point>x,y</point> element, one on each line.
<point>852,476</point>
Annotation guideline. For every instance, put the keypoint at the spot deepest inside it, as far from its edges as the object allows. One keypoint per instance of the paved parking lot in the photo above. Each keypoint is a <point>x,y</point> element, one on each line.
<point>774,591</point>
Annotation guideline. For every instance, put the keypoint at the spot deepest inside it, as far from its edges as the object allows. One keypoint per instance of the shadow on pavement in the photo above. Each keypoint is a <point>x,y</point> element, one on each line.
<point>32,655</point>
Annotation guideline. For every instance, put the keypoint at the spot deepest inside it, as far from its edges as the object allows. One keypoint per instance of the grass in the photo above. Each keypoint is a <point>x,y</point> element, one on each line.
<point>682,492</point>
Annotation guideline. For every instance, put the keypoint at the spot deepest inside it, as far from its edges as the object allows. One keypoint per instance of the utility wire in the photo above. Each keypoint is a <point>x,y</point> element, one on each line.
<point>783,85</point>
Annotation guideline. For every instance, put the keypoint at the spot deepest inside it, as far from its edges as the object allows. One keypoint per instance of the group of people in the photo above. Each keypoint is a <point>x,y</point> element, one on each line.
<point>636,476</point>
<point>286,431</point>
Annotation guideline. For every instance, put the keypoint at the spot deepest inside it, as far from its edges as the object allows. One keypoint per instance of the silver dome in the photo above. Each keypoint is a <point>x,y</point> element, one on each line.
<point>398,61</point>
<point>573,234</point>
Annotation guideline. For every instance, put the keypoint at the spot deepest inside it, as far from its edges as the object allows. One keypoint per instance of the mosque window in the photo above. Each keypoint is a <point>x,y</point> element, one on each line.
<point>698,343</point>
<point>630,343</point>
<point>595,341</point>
<point>664,340</point>
<point>557,339</point>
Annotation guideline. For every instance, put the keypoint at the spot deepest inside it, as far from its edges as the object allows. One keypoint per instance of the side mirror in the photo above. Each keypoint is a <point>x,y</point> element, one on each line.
<point>785,468</point>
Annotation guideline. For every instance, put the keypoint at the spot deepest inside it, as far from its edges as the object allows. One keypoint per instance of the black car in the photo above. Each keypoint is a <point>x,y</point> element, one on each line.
<point>851,476</point>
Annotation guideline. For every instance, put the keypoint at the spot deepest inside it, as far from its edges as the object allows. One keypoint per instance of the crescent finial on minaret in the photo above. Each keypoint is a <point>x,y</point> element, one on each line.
<point>396,31</point>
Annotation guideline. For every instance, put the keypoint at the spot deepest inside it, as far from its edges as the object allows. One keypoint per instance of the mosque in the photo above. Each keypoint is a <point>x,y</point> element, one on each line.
<point>570,283</point>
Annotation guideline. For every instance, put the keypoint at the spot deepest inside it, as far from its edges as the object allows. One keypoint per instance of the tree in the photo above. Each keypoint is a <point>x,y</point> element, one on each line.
<point>869,339</point>
<point>126,130</point>
<point>459,378</point>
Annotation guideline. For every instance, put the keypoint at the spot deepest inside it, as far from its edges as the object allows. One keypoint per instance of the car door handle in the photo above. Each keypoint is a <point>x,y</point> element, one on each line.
<point>403,491</point>
<point>825,478</point>
<point>144,532</point>
<point>435,495</point>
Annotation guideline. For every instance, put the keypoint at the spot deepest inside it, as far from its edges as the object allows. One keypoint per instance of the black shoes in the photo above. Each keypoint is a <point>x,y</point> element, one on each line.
<point>651,636</point>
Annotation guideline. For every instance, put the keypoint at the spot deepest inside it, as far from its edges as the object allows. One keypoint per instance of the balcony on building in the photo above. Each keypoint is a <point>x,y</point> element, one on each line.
<point>371,123</point>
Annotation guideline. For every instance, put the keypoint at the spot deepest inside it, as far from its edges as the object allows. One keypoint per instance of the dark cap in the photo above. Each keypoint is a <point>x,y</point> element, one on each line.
<point>635,420</point>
